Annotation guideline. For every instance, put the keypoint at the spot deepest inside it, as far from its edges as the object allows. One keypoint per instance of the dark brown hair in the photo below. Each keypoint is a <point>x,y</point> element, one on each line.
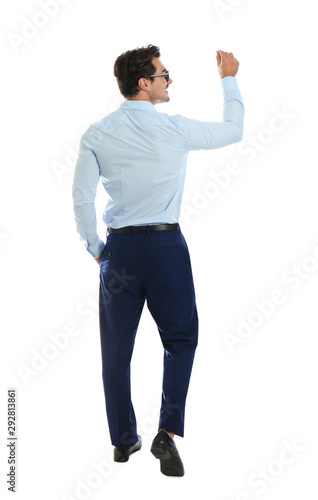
<point>132,65</point>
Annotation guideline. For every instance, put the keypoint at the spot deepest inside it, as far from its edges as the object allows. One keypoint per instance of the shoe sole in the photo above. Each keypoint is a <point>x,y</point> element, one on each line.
<point>168,466</point>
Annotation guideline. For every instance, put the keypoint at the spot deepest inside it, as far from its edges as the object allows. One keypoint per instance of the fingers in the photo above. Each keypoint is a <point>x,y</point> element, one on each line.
<point>227,64</point>
<point>223,54</point>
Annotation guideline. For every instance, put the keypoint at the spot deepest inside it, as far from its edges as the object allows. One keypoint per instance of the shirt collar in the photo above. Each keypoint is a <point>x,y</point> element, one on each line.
<point>135,104</point>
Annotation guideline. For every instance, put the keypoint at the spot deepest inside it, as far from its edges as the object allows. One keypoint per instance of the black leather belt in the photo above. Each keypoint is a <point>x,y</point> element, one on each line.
<point>143,229</point>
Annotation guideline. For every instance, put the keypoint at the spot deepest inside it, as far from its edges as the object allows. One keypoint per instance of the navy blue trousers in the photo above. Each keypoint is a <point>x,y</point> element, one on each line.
<point>153,266</point>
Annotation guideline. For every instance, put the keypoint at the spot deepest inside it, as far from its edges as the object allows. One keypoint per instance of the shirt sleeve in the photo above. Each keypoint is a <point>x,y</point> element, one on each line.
<point>84,189</point>
<point>213,135</point>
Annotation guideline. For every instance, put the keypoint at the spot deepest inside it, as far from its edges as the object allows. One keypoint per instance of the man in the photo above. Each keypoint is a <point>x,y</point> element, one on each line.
<point>140,156</point>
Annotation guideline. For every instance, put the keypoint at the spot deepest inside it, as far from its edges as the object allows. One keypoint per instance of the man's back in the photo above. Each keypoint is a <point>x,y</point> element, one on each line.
<point>142,157</point>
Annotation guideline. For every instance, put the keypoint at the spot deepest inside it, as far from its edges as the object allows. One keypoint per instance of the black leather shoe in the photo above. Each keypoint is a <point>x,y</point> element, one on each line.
<point>164,448</point>
<point>123,454</point>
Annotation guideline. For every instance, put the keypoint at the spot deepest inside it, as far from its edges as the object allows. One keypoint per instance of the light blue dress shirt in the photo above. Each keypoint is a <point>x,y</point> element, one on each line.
<point>141,157</point>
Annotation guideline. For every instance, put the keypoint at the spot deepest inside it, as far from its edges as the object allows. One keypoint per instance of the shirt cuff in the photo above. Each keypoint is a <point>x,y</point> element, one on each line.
<point>97,248</point>
<point>229,83</point>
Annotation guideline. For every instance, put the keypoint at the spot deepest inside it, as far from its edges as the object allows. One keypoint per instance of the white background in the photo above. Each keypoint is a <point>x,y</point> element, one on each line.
<point>245,242</point>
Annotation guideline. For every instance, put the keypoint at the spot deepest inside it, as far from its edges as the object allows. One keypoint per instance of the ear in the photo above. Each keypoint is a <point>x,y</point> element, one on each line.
<point>143,84</point>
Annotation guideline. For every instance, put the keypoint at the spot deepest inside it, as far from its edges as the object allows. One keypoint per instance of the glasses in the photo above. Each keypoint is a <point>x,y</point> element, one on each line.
<point>166,75</point>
